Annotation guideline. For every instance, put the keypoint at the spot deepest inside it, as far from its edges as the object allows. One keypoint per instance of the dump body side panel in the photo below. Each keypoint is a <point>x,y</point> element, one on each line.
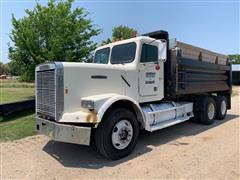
<point>195,70</point>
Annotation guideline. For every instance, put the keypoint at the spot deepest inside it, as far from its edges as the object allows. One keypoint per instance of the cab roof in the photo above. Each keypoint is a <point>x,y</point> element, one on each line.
<point>139,38</point>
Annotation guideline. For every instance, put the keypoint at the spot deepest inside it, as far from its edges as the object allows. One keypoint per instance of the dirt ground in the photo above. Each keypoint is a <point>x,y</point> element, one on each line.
<point>184,151</point>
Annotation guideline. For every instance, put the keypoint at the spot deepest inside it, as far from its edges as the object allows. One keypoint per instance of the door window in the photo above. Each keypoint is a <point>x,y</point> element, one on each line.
<point>149,53</point>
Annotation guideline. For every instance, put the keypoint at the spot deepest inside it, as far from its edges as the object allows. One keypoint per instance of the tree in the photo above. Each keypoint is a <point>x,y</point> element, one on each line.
<point>235,58</point>
<point>54,32</point>
<point>120,33</point>
<point>123,32</point>
<point>13,68</point>
<point>106,41</point>
<point>3,69</point>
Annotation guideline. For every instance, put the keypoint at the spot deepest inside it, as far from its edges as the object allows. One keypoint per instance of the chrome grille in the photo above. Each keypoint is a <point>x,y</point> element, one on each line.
<point>46,93</point>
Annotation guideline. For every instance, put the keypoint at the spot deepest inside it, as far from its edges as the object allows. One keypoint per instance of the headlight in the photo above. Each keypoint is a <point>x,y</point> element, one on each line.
<point>88,104</point>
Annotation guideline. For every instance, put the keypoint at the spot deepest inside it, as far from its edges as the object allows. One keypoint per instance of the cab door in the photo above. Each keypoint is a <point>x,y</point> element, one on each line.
<point>150,79</point>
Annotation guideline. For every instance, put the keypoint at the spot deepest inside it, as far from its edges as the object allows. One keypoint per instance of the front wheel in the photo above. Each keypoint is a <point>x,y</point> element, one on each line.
<point>117,134</point>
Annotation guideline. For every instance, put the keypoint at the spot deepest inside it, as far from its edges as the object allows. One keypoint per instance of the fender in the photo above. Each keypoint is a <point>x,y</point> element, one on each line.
<point>117,97</point>
<point>101,104</point>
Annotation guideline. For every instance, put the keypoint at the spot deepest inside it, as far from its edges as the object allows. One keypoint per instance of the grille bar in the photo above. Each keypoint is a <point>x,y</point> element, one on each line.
<point>46,93</point>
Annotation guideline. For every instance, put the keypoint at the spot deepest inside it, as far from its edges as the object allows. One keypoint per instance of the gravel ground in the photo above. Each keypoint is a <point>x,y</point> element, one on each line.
<point>184,151</point>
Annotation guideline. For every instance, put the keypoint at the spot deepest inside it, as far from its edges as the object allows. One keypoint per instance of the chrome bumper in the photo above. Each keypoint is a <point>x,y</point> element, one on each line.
<point>63,132</point>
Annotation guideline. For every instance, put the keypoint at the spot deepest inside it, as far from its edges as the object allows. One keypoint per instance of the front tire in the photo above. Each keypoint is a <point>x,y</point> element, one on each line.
<point>117,134</point>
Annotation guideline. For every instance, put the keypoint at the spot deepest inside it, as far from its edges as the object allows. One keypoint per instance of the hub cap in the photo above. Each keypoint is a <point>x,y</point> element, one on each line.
<point>223,107</point>
<point>211,111</point>
<point>122,134</point>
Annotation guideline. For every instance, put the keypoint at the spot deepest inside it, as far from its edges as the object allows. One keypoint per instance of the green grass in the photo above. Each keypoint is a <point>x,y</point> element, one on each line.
<point>13,94</point>
<point>21,124</point>
<point>17,126</point>
<point>15,84</point>
<point>14,91</point>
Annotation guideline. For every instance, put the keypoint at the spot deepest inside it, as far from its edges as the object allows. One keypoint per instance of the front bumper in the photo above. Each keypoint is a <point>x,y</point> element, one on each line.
<point>64,132</point>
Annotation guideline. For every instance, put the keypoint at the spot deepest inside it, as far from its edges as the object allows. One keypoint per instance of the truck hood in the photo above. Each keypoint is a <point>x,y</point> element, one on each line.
<point>88,79</point>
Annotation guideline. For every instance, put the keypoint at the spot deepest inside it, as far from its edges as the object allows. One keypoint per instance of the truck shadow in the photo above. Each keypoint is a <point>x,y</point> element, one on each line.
<point>77,156</point>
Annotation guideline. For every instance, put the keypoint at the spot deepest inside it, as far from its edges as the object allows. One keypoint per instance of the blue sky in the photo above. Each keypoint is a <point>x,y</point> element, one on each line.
<point>212,25</point>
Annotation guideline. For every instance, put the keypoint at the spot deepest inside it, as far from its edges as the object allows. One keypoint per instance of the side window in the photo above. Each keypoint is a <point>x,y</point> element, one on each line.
<point>149,53</point>
<point>102,56</point>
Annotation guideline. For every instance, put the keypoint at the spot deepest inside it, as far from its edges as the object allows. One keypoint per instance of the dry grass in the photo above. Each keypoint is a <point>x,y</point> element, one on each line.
<point>235,90</point>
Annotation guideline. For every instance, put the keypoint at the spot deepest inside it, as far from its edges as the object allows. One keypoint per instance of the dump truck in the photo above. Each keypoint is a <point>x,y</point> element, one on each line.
<point>148,82</point>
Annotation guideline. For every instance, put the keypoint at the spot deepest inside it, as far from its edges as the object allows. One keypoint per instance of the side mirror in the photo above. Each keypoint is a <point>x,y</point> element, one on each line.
<point>162,51</point>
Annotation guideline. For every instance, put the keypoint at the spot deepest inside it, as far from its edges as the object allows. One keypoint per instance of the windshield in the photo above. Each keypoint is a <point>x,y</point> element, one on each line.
<point>102,56</point>
<point>123,53</point>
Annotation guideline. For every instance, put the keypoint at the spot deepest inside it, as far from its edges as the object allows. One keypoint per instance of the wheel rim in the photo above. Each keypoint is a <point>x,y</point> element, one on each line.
<point>122,134</point>
<point>223,107</point>
<point>211,111</point>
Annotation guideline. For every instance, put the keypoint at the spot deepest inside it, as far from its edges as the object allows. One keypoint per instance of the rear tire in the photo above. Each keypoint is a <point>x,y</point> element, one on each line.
<point>117,134</point>
<point>221,107</point>
<point>207,111</point>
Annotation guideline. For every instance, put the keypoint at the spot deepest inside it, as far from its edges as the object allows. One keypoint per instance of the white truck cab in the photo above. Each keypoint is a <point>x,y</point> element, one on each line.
<point>110,99</point>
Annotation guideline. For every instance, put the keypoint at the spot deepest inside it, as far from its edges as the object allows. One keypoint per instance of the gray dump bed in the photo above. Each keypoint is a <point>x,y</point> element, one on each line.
<point>192,70</point>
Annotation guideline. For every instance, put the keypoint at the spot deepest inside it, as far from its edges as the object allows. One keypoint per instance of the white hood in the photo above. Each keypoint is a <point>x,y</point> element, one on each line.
<point>88,79</point>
